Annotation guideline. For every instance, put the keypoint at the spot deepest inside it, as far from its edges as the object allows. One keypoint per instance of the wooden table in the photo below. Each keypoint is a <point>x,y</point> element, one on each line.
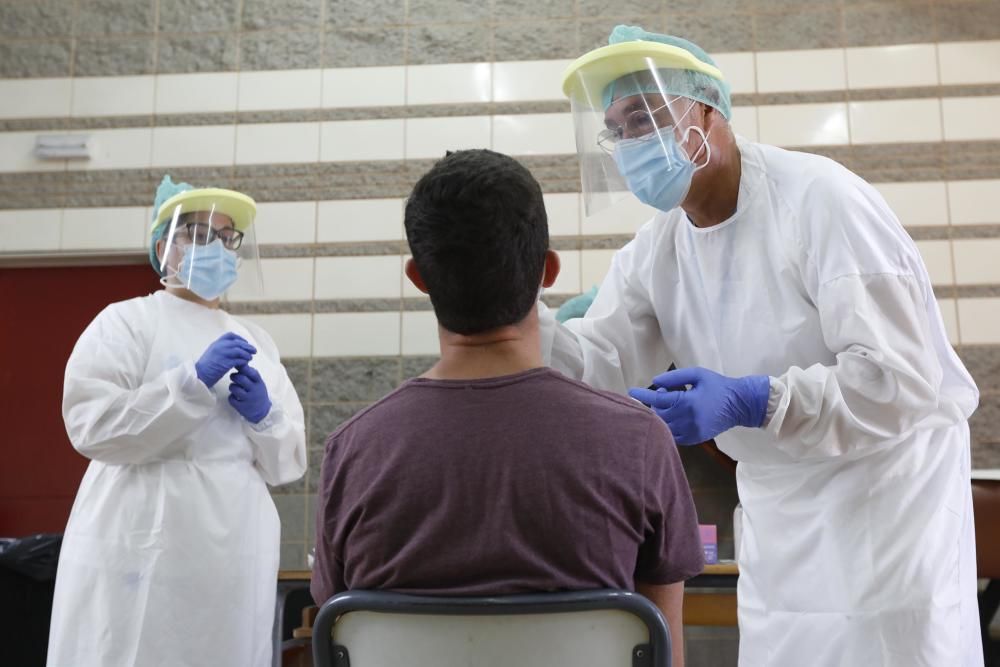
<point>710,598</point>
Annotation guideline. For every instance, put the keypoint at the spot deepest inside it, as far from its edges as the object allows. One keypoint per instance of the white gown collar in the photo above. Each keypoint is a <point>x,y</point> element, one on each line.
<point>751,178</point>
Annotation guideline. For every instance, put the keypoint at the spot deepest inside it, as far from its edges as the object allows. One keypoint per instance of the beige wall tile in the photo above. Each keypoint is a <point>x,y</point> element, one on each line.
<point>949,315</point>
<point>971,118</point>
<point>351,220</point>
<point>280,89</point>
<point>356,334</point>
<point>420,333</point>
<point>356,140</point>
<point>30,230</point>
<point>805,70</point>
<point>528,80</point>
<point>429,138</point>
<point>358,277</point>
<point>980,321</point>
<point>118,149</point>
<point>896,65</point>
<point>119,228</point>
<point>594,265</point>
<point>895,121</point>
<point>285,222</point>
<point>292,333</point>
<point>113,96</point>
<point>803,124</point>
<point>449,84</point>
<point>974,202</point>
<point>203,146</point>
<point>17,152</point>
<point>207,92</point>
<point>918,203</point>
<point>625,217</point>
<point>969,62</point>
<point>563,212</point>
<point>534,134</point>
<point>35,98</point>
<point>284,278</point>
<point>937,259</point>
<point>364,86</point>
<point>277,143</point>
<point>977,261</point>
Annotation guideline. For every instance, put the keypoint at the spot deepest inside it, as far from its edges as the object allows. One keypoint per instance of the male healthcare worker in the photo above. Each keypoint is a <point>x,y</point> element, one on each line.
<point>801,317</point>
<point>171,552</point>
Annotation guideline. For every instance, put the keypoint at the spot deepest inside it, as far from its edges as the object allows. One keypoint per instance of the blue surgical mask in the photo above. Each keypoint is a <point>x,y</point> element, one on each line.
<point>656,168</point>
<point>207,270</point>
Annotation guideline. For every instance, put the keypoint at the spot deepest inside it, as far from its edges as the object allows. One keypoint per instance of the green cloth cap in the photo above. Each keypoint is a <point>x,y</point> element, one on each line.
<point>687,83</point>
<point>165,191</point>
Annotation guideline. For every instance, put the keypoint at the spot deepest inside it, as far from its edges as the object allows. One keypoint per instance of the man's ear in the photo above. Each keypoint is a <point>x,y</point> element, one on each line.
<point>160,245</point>
<point>552,266</point>
<point>410,268</point>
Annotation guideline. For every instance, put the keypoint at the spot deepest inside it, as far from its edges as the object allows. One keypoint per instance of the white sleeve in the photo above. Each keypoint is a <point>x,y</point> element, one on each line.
<point>884,384</point>
<point>278,440</point>
<point>110,415</point>
<point>872,296</point>
<point>618,343</point>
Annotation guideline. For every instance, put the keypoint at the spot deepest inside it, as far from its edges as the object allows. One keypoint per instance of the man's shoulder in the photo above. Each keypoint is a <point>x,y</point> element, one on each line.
<point>373,414</point>
<point>597,411</point>
<point>808,174</point>
<point>600,399</point>
<point>565,396</point>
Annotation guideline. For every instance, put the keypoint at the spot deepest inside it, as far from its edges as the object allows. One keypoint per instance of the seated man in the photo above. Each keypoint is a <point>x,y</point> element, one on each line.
<point>492,474</point>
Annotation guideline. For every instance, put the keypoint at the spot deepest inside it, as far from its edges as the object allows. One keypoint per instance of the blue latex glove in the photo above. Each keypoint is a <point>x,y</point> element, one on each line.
<point>248,394</point>
<point>714,404</point>
<point>227,352</point>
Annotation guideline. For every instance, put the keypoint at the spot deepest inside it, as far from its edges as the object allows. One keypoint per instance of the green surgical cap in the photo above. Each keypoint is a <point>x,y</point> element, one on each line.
<point>165,191</point>
<point>687,83</point>
<point>577,306</point>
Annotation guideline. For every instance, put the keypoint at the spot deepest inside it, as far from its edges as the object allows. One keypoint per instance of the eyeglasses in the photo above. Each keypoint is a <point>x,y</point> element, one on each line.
<point>639,124</point>
<point>201,233</point>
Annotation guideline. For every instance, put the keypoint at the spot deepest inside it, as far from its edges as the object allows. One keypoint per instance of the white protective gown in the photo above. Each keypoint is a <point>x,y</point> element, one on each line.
<point>857,543</point>
<point>170,556</point>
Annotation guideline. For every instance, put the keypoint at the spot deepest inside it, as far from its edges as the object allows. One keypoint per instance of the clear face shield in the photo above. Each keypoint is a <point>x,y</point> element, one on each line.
<point>205,243</point>
<point>635,113</point>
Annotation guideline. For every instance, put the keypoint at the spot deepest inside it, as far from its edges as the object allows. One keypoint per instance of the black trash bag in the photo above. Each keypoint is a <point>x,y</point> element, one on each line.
<point>36,556</point>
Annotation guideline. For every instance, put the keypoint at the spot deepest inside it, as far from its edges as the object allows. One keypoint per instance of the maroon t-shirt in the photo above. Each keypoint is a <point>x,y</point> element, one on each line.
<point>528,482</point>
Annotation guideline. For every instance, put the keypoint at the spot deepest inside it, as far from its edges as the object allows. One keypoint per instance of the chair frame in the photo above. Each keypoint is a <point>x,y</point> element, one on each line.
<point>655,653</point>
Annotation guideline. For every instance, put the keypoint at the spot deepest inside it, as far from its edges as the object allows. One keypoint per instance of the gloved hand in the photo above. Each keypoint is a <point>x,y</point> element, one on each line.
<point>248,394</point>
<point>714,404</point>
<point>228,351</point>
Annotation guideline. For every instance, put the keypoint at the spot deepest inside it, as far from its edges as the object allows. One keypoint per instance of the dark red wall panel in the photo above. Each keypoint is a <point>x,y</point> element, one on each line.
<point>42,313</point>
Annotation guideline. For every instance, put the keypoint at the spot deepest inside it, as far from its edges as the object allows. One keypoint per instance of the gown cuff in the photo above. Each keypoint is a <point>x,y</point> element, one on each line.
<point>274,417</point>
<point>773,399</point>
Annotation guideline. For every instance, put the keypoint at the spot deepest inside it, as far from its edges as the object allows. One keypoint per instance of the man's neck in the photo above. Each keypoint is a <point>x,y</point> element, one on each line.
<point>714,196</point>
<point>505,351</point>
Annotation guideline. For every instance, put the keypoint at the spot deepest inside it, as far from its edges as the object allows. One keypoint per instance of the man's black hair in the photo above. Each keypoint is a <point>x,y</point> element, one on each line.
<point>478,233</point>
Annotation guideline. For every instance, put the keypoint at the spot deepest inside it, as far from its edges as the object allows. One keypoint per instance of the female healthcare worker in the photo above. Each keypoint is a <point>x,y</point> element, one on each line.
<point>170,556</point>
<point>802,318</point>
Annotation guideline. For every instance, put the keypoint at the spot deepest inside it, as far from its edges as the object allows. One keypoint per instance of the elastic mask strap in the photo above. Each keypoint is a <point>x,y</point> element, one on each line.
<point>172,278</point>
<point>705,146</point>
<point>686,111</point>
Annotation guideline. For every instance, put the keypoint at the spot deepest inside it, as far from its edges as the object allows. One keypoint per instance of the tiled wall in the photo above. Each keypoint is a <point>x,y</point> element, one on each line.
<point>326,111</point>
